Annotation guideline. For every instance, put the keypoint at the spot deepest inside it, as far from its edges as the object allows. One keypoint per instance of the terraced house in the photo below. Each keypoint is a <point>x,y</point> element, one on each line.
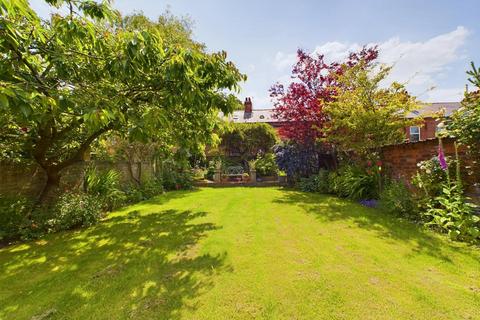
<point>432,114</point>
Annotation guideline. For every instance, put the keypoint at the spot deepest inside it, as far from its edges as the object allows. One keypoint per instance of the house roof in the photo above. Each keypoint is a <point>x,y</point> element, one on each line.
<point>266,115</point>
<point>436,108</point>
<point>262,115</point>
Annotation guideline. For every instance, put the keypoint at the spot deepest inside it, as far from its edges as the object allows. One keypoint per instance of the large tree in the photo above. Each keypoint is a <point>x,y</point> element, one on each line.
<point>69,80</point>
<point>464,124</point>
<point>365,115</point>
<point>300,105</point>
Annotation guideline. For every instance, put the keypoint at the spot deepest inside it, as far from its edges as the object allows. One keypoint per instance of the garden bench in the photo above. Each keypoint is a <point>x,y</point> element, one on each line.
<point>234,173</point>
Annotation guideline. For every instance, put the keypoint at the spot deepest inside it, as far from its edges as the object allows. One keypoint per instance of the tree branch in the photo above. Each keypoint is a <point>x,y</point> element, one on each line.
<point>83,147</point>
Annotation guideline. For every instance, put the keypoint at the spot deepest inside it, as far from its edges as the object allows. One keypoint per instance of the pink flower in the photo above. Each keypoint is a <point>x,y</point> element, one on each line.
<point>379,163</point>
<point>441,158</point>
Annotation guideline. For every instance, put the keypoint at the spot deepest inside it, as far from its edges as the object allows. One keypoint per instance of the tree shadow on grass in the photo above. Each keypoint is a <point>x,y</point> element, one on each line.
<point>384,225</point>
<point>139,265</point>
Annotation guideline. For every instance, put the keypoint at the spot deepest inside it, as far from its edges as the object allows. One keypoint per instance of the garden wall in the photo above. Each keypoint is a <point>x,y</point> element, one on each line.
<point>401,159</point>
<point>16,179</point>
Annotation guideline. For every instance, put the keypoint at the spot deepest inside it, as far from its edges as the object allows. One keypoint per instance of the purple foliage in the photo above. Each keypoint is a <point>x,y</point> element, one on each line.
<point>296,160</point>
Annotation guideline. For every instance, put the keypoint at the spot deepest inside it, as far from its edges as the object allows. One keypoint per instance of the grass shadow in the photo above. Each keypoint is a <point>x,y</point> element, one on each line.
<point>141,264</point>
<point>328,208</point>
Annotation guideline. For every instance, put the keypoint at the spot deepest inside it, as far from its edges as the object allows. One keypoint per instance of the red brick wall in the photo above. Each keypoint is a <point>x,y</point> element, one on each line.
<point>427,129</point>
<point>401,160</point>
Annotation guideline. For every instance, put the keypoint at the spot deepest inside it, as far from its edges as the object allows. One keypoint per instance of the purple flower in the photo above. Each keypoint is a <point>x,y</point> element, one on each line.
<point>441,159</point>
<point>371,203</point>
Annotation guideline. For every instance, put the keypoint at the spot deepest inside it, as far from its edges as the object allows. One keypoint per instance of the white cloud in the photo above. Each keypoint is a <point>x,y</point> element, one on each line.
<point>336,51</point>
<point>417,64</point>
<point>420,63</point>
<point>284,61</point>
<point>445,95</point>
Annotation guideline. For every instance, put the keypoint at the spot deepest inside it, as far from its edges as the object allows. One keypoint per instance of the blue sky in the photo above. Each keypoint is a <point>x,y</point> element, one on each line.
<point>431,42</point>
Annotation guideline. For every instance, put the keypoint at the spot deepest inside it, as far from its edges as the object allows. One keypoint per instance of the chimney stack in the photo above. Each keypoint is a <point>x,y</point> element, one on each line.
<point>248,105</point>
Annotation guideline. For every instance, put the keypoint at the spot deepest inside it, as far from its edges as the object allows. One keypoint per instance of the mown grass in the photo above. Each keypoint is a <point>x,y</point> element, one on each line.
<point>242,253</point>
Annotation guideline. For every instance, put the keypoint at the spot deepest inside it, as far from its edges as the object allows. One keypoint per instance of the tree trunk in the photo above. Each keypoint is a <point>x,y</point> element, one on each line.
<point>52,183</point>
<point>139,166</point>
<point>130,172</point>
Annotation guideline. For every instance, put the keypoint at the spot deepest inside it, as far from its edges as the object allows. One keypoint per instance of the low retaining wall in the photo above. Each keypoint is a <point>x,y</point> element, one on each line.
<point>238,184</point>
<point>29,180</point>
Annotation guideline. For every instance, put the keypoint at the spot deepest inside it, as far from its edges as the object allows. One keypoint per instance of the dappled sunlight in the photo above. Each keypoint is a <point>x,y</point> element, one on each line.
<point>151,254</point>
<point>241,253</point>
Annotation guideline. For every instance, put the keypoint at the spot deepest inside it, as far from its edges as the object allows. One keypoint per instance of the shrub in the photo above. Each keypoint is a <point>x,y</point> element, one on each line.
<point>316,183</point>
<point>105,186</point>
<point>266,165</point>
<point>148,189</point>
<point>442,202</point>
<point>354,183</point>
<point>430,177</point>
<point>451,212</point>
<point>397,199</point>
<point>13,217</point>
<point>75,209</point>
<point>210,170</point>
<point>296,160</point>
<point>134,194</point>
<point>174,180</point>
<point>151,188</point>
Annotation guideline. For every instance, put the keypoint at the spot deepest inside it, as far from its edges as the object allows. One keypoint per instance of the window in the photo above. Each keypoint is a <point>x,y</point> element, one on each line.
<point>262,117</point>
<point>414,134</point>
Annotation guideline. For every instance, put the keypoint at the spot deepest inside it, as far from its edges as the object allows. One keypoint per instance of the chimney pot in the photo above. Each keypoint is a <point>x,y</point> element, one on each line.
<point>248,105</point>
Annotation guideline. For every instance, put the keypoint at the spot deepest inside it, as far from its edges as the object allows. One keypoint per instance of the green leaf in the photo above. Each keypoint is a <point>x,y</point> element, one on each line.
<point>3,101</point>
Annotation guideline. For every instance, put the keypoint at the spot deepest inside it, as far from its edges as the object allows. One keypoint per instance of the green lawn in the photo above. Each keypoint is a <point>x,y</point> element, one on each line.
<point>242,253</point>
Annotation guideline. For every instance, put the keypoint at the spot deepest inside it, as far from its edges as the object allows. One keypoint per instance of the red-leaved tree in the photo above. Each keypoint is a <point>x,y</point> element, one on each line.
<point>299,105</point>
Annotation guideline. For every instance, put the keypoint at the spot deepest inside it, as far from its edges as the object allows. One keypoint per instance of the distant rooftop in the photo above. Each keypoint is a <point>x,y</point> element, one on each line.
<point>249,115</point>
<point>264,115</point>
<point>435,108</point>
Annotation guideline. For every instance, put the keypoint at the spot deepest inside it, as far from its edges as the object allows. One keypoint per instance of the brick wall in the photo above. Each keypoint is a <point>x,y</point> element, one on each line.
<point>401,160</point>
<point>29,180</point>
<point>427,129</point>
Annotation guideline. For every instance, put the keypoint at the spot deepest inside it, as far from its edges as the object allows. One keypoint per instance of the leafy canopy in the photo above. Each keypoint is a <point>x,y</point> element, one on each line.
<point>69,80</point>
<point>300,105</point>
<point>365,115</point>
<point>464,124</point>
<point>248,140</point>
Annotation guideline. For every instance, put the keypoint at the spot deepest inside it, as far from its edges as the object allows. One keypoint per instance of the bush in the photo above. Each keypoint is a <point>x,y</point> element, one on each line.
<point>430,177</point>
<point>297,160</point>
<point>133,194</point>
<point>397,199</point>
<point>151,188</point>
<point>451,212</point>
<point>316,183</point>
<point>13,217</point>
<point>148,189</point>
<point>354,183</point>
<point>173,180</point>
<point>75,209</point>
<point>210,170</point>
<point>105,186</point>
<point>266,165</point>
